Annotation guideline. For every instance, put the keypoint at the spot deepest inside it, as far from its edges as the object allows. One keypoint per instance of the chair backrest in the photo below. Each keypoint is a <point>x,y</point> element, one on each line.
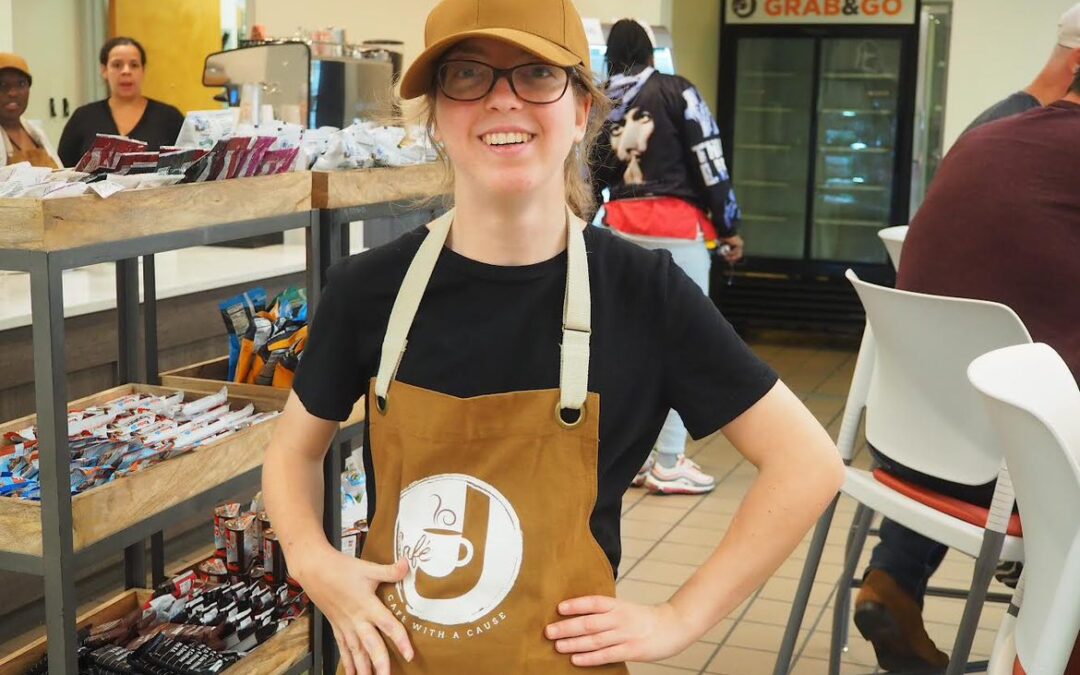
<point>921,411</point>
<point>1034,404</point>
<point>894,242</point>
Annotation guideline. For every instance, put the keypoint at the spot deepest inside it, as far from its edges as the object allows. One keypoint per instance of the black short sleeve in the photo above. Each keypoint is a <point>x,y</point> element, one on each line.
<point>710,376</point>
<point>329,379</point>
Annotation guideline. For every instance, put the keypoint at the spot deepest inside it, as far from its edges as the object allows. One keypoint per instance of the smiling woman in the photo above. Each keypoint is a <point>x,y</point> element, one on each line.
<point>543,356</point>
<point>127,112</point>
<point>22,140</point>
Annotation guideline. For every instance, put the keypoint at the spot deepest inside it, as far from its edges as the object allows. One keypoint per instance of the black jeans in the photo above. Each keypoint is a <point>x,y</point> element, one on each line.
<point>907,556</point>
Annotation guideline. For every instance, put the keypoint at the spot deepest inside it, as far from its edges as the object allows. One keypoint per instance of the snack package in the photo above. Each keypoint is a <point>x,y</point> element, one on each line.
<point>179,161</point>
<point>218,157</point>
<point>238,313</point>
<point>236,153</point>
<point>204,404</point>
<point>199,170</point>
<point>204,128</point>
<point>135,162</point>
<point>102,152</point>
<point>291,304</point>
<point>277,161</point>
<point>248,363</point>
<point>255,155</point>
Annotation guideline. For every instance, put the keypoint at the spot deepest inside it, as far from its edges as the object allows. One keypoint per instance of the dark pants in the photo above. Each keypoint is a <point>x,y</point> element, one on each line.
<point>907,556</point>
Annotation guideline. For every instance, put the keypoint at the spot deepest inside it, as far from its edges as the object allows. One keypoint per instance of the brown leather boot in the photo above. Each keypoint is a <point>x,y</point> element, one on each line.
<point>891,620</point>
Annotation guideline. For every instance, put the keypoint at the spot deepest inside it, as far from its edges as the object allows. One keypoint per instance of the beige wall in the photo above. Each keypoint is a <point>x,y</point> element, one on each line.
<point>997,48</point>
<point>695,32</point>
<point>6,26</point>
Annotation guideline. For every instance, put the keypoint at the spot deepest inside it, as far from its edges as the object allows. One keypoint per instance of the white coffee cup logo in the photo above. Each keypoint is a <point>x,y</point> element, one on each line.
<point>446,551</point>
<point>429,534</point>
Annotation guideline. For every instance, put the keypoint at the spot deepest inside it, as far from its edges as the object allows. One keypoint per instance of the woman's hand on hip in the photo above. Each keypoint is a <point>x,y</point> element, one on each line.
<point>343,588</point>
<point>608,630</point>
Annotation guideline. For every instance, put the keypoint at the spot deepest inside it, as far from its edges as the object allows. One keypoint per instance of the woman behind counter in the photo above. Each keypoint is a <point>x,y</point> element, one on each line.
<point>20,140</point>
<point>126,112</point>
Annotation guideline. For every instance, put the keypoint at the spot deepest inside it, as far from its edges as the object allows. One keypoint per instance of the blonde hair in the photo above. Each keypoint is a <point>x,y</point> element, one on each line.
<point>576,173</point>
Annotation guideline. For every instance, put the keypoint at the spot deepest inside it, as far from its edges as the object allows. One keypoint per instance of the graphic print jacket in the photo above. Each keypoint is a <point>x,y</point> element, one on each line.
<point>661,140</point>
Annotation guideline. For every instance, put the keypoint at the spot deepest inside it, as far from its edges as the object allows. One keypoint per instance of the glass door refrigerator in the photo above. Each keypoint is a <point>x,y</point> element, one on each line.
<point>816,113</point>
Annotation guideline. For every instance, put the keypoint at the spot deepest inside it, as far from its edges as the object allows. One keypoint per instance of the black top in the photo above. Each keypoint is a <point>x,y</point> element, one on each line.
<point>677,143</point>
<point>657,343</point>
<point>1013,104</point>
<point>159,125</point>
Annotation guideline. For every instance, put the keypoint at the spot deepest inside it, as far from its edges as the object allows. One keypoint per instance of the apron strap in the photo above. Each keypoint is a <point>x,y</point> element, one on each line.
<point>577,313</point>
<point>577,319</point>
<point>408,301</point>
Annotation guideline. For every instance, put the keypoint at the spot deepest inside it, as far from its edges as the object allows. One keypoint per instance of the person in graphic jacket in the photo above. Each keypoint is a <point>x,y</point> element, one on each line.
<point>661,160</point>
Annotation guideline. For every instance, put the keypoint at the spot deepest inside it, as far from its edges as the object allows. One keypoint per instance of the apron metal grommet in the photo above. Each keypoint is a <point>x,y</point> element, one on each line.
<point>380,404</point>
<point>569,425</point>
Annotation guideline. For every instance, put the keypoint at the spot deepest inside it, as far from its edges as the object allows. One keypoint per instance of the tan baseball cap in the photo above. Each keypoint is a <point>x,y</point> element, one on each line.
<point>1069,28</point>
<point>15,62</point>
<point>549,29</point>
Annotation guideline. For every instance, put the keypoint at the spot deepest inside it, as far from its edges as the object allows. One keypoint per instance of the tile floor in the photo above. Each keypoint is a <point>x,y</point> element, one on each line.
<point>664,537</point>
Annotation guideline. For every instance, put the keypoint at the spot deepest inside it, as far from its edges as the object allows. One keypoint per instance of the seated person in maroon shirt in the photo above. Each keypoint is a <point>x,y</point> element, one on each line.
<point>1001,223</point>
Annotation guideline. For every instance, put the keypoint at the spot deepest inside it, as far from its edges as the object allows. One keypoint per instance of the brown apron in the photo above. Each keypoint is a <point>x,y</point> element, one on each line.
<point>489,498</point>
<point>36,155</point>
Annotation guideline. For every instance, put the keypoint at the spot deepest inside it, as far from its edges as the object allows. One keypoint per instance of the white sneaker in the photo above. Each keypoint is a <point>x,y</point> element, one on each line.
<point>685,478</point>
<point>639,479</point>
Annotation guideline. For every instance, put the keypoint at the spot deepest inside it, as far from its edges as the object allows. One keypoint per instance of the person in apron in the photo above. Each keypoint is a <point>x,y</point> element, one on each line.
<point>20,141</point>
<point>517,366</point>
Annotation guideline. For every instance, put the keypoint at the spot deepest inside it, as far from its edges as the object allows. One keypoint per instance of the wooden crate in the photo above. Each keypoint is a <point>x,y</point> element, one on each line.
<point>103,511</point>
<point>273,657</point>
<point>343,189</point>
<point>208,376</point>
<point>58,224</point>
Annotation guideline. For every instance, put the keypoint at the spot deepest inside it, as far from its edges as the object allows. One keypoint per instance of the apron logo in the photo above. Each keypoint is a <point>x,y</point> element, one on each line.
<point>463,541</point>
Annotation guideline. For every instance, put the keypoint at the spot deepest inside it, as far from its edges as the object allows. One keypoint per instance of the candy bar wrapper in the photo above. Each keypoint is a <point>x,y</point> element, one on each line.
<point>199,170</point>
<point>218,160</point>
<point>123,403</point>
<point>277,161</point>
<point>177,161</point>
<point>136,162</point>
<point>64,190</point>
<point>159,404</point>
<point>255,155</point>
<point>21,436</point>
<point>123,429</point>
<point>103,150</point>
<point>192,437</point>
<point>259,419</point>
<point>199,421</point>
<point>202,405</point>
<point>236,152</point>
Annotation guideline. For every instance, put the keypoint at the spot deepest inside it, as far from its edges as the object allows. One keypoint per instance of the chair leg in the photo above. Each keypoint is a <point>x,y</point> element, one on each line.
<point>1004,652</point>
<point>802,593</point>
<point>985,565</point>
<point>851,536</point>
<point>860,527</point>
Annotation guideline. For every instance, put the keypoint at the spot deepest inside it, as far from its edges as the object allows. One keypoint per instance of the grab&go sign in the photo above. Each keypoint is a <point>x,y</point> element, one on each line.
<point>820,11</point>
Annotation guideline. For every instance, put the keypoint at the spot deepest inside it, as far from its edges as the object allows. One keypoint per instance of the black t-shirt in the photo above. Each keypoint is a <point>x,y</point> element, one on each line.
<point>159,125</point>
<point>1013,104</point>
<point>657,343</point>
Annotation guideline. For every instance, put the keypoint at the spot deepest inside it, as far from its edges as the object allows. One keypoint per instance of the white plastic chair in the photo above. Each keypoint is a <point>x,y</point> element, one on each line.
<point>922,412</point>
<point>1034,405</point>
<point>894,242</point>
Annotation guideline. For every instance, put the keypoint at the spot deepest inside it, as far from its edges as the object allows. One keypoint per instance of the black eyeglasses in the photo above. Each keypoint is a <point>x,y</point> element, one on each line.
<point>464,80</point>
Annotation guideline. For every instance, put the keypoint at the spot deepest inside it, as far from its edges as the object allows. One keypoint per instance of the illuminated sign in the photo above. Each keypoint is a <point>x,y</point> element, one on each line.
<point>820,11</point>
